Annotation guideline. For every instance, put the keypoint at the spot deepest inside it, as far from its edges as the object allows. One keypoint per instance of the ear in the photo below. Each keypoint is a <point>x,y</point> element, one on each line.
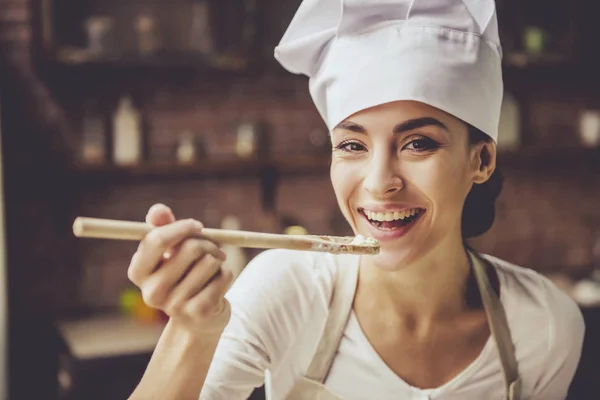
<point>483,157</point>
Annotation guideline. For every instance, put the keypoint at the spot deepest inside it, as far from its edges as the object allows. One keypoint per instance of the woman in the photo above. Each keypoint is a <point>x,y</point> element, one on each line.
<point>411,93</point>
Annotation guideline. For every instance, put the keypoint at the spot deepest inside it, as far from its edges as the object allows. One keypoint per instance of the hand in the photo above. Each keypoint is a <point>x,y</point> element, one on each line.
<point>180,274</point>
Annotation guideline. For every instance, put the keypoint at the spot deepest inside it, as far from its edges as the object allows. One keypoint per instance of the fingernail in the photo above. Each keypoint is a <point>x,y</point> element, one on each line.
<point>157,206</point>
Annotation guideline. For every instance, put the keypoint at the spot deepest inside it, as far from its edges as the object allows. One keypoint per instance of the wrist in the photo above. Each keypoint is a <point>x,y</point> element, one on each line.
<point>185,332</point>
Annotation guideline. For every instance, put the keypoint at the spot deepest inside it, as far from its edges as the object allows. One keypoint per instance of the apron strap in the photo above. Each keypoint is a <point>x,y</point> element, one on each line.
<point>498,324</point>
<point>310,386</point>
<point>339,311</point>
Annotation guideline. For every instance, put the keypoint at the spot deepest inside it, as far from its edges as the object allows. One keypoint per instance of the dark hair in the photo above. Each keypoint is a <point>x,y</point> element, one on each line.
<point>479,210</point>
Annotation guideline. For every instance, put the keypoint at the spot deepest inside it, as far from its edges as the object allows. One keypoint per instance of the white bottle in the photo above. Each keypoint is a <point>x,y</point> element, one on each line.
<point>127,135</point>
<point>186,149</point>
<point>589,128</point>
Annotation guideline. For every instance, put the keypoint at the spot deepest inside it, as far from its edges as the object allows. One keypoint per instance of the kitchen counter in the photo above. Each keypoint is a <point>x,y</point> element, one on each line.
<point>109,335</point>
<point>104,356</point>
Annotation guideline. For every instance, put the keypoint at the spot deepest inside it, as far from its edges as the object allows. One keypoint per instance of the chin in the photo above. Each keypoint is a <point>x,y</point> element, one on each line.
<point>393,259</point>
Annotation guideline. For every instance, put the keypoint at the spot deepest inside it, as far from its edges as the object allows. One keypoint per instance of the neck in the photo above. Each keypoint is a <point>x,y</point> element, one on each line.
<point>427,290</point>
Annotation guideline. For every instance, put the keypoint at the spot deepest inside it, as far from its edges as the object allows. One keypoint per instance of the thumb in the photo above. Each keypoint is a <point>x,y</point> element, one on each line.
<point>159,214</point>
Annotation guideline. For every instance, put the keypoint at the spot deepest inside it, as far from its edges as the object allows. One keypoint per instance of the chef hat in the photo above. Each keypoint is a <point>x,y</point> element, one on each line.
<point>362,53</point>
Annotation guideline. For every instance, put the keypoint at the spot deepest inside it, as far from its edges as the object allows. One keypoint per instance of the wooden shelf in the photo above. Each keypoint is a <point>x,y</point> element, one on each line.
<point>235,168</point>
<point>521,71</point>
<point>524,60</point>
<point>80,58</point>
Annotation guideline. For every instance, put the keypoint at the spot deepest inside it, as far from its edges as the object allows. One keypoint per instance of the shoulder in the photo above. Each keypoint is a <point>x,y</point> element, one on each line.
<point>278,299</point>
<point>274,300</point>
<point>285,276</point>
<point>284,285</point>
<point>546,323</point>
<point>534,293</point>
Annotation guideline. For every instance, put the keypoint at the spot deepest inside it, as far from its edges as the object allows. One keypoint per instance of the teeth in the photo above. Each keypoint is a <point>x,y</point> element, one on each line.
<point>391,216</point>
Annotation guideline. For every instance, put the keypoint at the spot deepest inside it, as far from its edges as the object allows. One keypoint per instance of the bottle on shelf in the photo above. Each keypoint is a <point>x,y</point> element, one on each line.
<point>252,140</point>
<point>100,36</point>
<point>589,127</point>
<point>93,146</point>
<point>246,143</point>
<point>127,133</point>
<point>146,35</point>
<point>534,40</point>
<point>187,148</point>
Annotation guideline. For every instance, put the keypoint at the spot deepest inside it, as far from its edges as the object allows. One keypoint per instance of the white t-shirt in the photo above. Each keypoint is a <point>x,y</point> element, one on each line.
<point>279,308</point>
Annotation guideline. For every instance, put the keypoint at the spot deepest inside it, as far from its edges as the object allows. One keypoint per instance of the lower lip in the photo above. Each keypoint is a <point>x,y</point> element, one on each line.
<point>396,233</point>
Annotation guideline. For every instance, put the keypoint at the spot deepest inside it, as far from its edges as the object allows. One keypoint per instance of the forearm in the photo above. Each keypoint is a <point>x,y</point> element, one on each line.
<point>178,367</point>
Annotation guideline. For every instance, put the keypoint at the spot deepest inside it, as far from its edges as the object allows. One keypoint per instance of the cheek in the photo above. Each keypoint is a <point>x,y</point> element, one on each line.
<point>344,180</point>
<point>444,184</point>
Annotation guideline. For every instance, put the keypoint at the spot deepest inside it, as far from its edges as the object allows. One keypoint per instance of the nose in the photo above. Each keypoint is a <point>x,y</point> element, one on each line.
<point>382,178</point>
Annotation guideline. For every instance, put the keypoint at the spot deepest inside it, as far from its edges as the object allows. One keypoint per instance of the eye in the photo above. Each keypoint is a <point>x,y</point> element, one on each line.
<point>422,143</point>
<point>350,146</point>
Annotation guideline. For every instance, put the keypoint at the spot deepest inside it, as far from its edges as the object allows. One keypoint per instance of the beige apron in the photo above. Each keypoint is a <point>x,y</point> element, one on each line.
<point>310,387</point>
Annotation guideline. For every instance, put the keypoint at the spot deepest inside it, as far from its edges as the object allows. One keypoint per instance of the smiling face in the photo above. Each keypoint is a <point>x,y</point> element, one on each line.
<point>401,172</point>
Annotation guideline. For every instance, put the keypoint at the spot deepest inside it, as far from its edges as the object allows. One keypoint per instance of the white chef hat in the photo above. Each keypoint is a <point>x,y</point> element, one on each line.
<point>362,53</point>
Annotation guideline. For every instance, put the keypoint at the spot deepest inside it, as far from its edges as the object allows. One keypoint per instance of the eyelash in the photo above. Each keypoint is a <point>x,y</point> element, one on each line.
<point>432,144</point>
<point>342,146</point>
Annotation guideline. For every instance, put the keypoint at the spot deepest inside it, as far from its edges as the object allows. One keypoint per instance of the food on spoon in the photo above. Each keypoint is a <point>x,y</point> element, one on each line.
<point>361,241</point>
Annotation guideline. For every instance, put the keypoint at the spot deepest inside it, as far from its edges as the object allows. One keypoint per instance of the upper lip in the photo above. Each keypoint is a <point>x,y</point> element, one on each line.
<point>383,208</point>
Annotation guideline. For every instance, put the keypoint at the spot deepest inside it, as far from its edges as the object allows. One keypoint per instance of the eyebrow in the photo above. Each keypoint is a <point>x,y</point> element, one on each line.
<point>405,126</point>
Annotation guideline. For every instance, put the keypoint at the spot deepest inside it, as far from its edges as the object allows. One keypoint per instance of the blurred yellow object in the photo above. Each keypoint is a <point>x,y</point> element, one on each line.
<point>144,313</point>
<point>132,303</point>
<point>295,230</point>
<point>128,300</point>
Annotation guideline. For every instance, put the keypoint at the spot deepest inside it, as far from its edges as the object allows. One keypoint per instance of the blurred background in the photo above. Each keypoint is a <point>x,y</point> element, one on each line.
<point>108,107</point>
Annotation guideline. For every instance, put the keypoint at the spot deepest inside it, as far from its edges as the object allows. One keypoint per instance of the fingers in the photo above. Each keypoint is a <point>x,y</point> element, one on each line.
<point>156,243</point>
<point>211,300</point>
<point>200,276</point>
<point>160,214</point>
<point>180,273</point>
<point>195,257</point>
